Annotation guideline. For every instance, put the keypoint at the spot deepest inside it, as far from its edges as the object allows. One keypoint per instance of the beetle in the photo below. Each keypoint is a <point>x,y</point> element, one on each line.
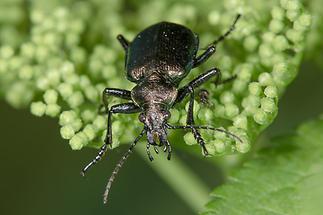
<point>157,60</point>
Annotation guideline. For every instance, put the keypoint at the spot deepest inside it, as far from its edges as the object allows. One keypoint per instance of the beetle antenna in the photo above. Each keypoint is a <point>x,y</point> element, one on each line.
<point>119,165</point>
<point>228,32</point>
<point>204,127</point>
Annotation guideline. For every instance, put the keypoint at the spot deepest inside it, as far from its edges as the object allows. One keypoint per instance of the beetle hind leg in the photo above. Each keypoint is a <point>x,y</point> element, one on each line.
<point>228,32</point>
<point>211,48</point>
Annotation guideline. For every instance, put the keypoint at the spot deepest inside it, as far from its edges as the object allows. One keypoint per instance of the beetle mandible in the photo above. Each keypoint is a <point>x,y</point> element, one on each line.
<point>157,60</point>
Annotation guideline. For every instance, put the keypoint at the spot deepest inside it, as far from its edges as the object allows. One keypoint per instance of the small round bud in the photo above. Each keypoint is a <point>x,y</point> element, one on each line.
<point>90,132</point>
<point>278,13</point>
<point>91,93</point>
<point>175,115</point>
<point>78,141</point>
<point>214,17</point>
<point>265,51</point>
<point>226,97</point>
<point>271,92</point>
<point>251,43</point>
<point>100,123</point>
<point>38,108</point>
<point>76,99</point>
<point>254,88</point>
<point>294,35</point>
<point>276,26</point>
<point>241,121</point>
<point>53,110</point>
<point>260,117</point>
<point>42,83</point>
<point>50,96</point>
<point>280,43</point>
<point>67,132</point>
<point>26,72</point>
<point>65,90</point>
<point>77,124</point>
<point>265,79</point>
<point>67,117</point>
<point>231,110</point>
<point>88,115</point>
<point>242,147</point>
<point>206,115</point>
<point>6,52</point>
<point>189,139</point>
<point>268,105</point>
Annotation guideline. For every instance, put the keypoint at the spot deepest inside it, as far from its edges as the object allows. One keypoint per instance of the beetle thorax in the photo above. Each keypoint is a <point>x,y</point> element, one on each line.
<point>153,91</point>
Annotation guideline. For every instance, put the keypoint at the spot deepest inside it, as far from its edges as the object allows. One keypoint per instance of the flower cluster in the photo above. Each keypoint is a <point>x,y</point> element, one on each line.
<point>67,56</point>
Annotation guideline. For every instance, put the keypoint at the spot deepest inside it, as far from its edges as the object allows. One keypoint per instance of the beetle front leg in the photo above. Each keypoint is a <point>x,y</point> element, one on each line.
<point>107,92</point>
<point>204,94</point>
<point>123,41</point>
<point>126,108</point>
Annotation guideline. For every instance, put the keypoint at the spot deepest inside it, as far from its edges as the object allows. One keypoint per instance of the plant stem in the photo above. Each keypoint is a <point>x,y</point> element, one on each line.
<point>180,178</point>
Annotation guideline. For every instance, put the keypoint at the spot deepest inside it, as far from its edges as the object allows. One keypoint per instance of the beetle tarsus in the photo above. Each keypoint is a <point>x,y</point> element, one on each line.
<point>151,158</point>
<point>156,149</point>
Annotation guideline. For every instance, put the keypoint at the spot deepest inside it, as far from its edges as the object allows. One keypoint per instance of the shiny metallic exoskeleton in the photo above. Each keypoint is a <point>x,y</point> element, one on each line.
<point>157,60</point>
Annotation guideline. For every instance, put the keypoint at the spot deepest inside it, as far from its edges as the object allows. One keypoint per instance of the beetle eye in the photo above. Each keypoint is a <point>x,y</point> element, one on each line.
<point>166,114</point>
<point>142,117</point>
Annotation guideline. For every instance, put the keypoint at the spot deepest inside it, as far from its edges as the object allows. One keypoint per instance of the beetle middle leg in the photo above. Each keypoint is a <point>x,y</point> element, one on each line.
<point>189,89</point>
<point>190,121</point>
<point>203,94</point>
<point>126,108</point>
<point>184,91</point>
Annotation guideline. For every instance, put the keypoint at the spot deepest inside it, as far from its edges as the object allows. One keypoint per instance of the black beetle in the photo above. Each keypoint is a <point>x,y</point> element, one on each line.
<point>157,60</point>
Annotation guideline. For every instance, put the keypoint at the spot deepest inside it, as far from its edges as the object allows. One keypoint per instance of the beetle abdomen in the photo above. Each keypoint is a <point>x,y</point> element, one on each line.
<point>164,47</point>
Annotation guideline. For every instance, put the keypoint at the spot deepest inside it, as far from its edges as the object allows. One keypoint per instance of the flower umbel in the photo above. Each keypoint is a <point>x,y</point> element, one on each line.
<point>59,64</point>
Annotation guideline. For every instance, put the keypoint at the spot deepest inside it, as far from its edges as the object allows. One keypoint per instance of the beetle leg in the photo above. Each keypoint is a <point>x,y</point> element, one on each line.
<point>204,56</point>
<point>107,92</point>
<point>225,81</point>
<point>123,41</point>
<point>189,89</point>
<point>190,121</point>
<point>151,158</point>
<point>169,149</point>
<point>210,50</point>
<point>184,91</point>
<point>156,149</point>
<point>126,108</point>
<point>228,32</point>
<point>203,94</point>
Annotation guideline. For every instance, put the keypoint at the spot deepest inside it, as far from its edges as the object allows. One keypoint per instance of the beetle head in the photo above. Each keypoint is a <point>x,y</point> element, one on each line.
<point>155,120</point>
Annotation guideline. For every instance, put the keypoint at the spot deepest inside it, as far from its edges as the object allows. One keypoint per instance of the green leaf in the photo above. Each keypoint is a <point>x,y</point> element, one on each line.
<point>285,178</point>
